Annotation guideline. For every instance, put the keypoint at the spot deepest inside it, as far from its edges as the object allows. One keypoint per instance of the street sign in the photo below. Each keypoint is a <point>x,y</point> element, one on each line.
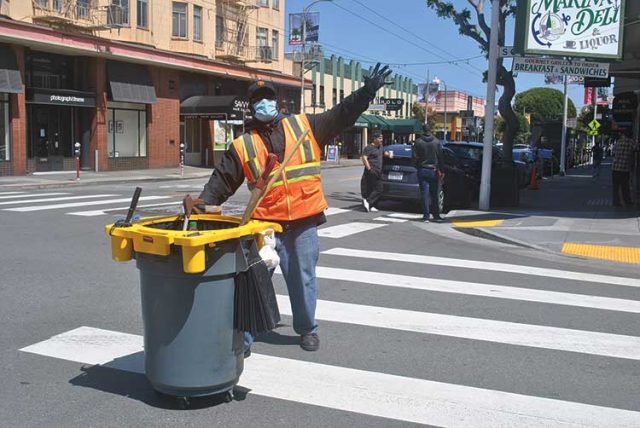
<point>466,113</point>
<point>469,103</point>
<point>508,52</point>
<point>560,66</point>
<point>377,107</point>
<point>594,125</point>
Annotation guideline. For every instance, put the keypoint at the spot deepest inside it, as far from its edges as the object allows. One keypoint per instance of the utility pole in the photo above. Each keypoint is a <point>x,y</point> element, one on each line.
<point>426,98</point>
<point>489,114</point>
<point>446,125</point>
<point>563,143</point>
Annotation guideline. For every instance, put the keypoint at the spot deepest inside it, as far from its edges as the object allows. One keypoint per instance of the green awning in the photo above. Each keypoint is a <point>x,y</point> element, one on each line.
<point>378,122</point>
<point>405,126</point>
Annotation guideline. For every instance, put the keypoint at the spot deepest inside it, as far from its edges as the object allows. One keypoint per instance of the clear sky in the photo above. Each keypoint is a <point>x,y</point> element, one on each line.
<point>407,33</point>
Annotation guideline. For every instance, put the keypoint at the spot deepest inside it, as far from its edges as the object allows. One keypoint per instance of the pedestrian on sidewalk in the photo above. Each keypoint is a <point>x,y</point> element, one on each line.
<point>427,152</point>
<point>597,153</point>
<point>623,156</point>
<point>297,203</point>
<point>370,184</point>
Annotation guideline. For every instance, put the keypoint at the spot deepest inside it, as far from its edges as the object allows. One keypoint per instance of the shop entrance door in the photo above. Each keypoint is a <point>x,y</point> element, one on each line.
<point>51,136</point>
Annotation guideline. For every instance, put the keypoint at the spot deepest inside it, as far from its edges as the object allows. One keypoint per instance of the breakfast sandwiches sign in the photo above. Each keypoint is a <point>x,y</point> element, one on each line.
<point>572,28</point>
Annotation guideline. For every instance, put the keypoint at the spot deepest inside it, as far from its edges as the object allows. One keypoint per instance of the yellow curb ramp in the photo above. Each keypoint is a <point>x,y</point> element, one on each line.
<point>603,252</point>
<point>476,223</point>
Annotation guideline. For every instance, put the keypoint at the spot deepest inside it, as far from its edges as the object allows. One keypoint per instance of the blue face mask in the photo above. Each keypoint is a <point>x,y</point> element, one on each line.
<point>265,110</point>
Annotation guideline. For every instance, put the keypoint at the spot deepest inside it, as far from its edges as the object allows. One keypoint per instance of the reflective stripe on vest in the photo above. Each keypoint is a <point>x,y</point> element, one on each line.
<point>299,173</point>
<point>306,151</point>
<point>250,155</point>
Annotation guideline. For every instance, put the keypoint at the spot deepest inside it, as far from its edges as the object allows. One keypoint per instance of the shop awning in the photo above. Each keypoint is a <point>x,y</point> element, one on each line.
<point>10,80</point>
<point>218,107</point>
<point>130,83</point>
<point>405,126</point>
<point>373,122</point>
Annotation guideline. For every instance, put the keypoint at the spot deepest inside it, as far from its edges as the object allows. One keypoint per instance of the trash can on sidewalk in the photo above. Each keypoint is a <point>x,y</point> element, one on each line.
<point>187,292</point>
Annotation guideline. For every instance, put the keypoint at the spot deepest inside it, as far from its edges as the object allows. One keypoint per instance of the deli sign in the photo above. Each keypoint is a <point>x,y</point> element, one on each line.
<point>571,28</point>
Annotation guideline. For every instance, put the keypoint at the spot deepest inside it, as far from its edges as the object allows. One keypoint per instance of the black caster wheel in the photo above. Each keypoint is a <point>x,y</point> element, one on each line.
<point>183,403</point>
<point>228,397</point>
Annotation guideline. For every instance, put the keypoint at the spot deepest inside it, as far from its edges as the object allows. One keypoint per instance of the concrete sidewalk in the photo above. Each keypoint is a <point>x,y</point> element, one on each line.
<point>68,178</point>
<point>571,215</point>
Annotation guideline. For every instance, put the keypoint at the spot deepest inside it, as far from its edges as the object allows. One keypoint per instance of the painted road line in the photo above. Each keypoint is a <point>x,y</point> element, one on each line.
<point>333,211</point>
<point>479,289</point>
<point>406,216</point>
<point>12,193</point>
<point>64,198</point>
<point>342,230</point>
<point>603,252</point>
<point>510,333</point>
<point>82,204</point>
<point>476,223</point>
<point>104,212</point>
<point>352,390</point>
<point>33,195</point>
<point>487,266</point>
<point>391,219</point>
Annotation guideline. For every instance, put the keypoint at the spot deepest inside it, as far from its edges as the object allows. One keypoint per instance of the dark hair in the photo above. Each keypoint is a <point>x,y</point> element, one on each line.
<point>426,128</point>
<point>376,134</point>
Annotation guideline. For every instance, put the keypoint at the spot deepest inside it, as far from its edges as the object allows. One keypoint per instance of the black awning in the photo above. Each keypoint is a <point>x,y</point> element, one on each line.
<point>215,107</point>
<point>10,80</point>
<point>130,83</point>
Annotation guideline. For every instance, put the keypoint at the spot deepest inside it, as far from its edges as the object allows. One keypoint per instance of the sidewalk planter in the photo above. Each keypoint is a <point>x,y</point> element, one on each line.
<point>505,189</point>
<point>187,294</point>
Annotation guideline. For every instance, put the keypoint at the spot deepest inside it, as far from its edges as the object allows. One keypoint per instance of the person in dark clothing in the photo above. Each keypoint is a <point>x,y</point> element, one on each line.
<point>298,205</point>
<point>427,153</point>
<point>597,159</point>
<point>370,184</point>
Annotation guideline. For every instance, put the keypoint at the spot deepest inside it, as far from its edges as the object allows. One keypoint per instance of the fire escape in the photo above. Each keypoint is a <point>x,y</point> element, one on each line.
<point>231,34</point>
<point>79,15</point>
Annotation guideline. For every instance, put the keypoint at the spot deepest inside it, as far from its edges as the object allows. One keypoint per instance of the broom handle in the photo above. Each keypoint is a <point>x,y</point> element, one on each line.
<point>250,210</point>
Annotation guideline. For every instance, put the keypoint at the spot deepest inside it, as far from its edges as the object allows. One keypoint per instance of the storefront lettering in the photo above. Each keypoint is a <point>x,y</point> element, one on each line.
<point>66,99</point>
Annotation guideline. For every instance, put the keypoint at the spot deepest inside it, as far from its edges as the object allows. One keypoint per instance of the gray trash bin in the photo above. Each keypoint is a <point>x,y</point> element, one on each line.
<point>187,293</point>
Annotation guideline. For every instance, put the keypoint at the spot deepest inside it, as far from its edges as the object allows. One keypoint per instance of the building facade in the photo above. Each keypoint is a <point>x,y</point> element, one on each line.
<point>452,126</point>
<point>333,78</point>
<point>130,80</point>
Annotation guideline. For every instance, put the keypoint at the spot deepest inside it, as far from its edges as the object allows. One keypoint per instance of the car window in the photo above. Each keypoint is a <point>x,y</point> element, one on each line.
<point>466,152</point>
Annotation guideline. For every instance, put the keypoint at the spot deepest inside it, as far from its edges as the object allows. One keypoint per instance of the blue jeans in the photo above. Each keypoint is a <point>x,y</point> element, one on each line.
<point>299,250</point>
<point>428,181</point>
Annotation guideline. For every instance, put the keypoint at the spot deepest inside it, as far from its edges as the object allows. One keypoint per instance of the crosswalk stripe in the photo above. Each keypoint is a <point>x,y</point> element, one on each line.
<point>391,219</point>
<point>479,289</point>
<point>64,198</point>
<point>333,210</point>
<point>104,212</point>
<point>342,230</point>
<point>535,336</point>
<point>32,195</point>
<point>487,266</point>
<point>11,193</point>
<point>353,390</point>
<point>406,216</point>
<point>82,204</point>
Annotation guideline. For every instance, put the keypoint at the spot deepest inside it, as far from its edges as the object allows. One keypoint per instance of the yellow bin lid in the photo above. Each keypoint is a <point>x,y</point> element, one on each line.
<point>143,237</point>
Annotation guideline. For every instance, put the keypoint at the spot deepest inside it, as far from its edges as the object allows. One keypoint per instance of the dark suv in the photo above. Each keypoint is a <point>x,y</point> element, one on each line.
<point>400,179</point>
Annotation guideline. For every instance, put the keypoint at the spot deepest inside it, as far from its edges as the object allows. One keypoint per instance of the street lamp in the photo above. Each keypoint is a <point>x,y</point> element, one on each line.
<point>304,40</point>
<point>446,126</point>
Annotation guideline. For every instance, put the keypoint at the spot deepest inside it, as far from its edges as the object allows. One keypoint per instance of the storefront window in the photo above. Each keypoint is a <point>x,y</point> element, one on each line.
<point>127,130</point>
<point>5,135</point>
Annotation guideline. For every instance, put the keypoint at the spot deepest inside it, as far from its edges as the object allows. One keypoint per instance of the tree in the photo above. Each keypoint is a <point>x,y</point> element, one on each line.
<point>546,105</point>
<point>481,33</point>
<point>417,112</point>
<point>522,137</point>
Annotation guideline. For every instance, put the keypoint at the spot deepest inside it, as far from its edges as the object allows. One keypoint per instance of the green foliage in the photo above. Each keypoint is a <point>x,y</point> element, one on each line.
<point>417,112</point>
<point>524,131</point>
<point>544,104</point>
<point>586,116</point>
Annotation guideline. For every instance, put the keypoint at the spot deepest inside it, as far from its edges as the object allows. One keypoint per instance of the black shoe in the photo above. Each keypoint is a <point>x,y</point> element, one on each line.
<point>438,219</point>
<point>247,353</point>
<point>310,342</point>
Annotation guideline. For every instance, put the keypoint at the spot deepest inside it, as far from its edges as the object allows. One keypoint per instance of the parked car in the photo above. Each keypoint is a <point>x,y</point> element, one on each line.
<point>400,179</point>
<point>470,155</point>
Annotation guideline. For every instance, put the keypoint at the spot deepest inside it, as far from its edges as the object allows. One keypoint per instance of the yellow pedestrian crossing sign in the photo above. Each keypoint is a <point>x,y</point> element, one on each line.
<point>594,125</point>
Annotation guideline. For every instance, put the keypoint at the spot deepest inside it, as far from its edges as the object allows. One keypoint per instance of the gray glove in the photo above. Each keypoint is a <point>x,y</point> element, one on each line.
<point>377,79</point>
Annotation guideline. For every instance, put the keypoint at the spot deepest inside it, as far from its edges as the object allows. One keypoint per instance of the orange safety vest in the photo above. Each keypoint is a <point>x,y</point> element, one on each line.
<point>297,193</point>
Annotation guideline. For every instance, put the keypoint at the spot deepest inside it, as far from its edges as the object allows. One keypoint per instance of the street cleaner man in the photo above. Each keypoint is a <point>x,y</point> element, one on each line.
<point>296,202</point>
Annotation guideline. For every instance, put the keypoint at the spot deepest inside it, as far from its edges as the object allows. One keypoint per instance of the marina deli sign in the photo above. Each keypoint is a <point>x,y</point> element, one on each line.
<point>571,28</point>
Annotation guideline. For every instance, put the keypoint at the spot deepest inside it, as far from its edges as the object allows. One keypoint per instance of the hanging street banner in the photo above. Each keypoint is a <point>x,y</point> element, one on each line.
<point>571,28</point>
<point>560,66</point>
<point>296,28</point>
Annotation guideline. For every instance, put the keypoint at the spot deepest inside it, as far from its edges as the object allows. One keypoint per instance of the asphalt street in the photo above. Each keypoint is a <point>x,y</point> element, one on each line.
<point>419,324</point>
